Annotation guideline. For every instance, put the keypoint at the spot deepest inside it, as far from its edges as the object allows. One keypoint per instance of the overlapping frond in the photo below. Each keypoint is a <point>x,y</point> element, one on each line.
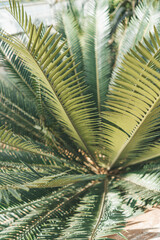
<point>22,81</point>
<point>21,162</point>
<point>13,181</point>
<point>81,225</point>
<point>23,171</point>
<point>67,25</point>
<point>57,206</point>
<point>96,50</point>
<point>17,74</point>
<point>61,91</point>
<point>97,216</point>
<point>60,180</point>
<point>140,187</point>
<point>114,216</point>
<point>145,17</point>
<point>9,140</point>
<point>19,113</point>
<point>55,215</point>
<point>47,41</point>
<point>26,94</point>
<point>133,105</point>
<point>39,161</point>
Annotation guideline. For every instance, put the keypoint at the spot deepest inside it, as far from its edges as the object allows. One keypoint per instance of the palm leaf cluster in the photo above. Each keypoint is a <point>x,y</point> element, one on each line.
<point>79,110</point>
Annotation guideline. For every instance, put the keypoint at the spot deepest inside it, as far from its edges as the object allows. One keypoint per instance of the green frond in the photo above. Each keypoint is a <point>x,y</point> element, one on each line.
<point>19,113</point>
<point>9,140</point>
<point>84,225</point>
<point>81,225</point>
<point>133,105</point>
<point>23,83</point>
<point>49,164</point>
<point>67,25</point>
<point>96,51</point>
<point>49,43</point>
<point>18,76</point>
<point>29,205</point>
<point>16,72</point>
<point>11,181</point>
<point>59,181</point>
<point>114,216</point>
<point>146,16</point>
<point>150,154</point>
<point>53,223</point>
<point>23,79</point>
<point>22,18</point>
<point>140,187</point>
<point>26,94</point>
<point>57,206</point>
<point>152,166</point>
<point>27,180</point>
<point>60,94</point>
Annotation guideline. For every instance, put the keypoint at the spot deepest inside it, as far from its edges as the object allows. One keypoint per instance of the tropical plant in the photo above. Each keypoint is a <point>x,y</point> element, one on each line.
<point>79,112</point>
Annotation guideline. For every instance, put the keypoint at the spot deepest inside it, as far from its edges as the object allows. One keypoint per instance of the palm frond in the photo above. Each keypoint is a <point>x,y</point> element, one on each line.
<point>12,141</point>
<point>67,26</point>
<point>96,50</point>
<point>90,222</point>
<point>45,163</point>
<point>59,181</point>
<point>62,96</point>
<point>137,111</point>
<point>146,16</point>
<point>140,187</point>
<point>114,216</point>
<point>19,113</point>
<point>14,180</point>
<point>10,179</point>
<point>57,206</point>
<point>68,107</point>
<point>21,17</point>
<point>26,180</point>
<point>81,225</point>
<point>17,74</point>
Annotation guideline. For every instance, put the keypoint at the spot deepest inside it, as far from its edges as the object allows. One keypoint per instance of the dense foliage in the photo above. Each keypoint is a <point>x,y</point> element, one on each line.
<point>79,115</point>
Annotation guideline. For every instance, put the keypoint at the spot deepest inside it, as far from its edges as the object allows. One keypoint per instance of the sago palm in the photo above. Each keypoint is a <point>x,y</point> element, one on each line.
<point>80,122</point>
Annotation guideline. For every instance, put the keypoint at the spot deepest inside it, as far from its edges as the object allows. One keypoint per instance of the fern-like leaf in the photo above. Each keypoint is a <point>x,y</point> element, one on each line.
<point>137,116</point>
<point>65,104</point>
<point>96,49</point>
